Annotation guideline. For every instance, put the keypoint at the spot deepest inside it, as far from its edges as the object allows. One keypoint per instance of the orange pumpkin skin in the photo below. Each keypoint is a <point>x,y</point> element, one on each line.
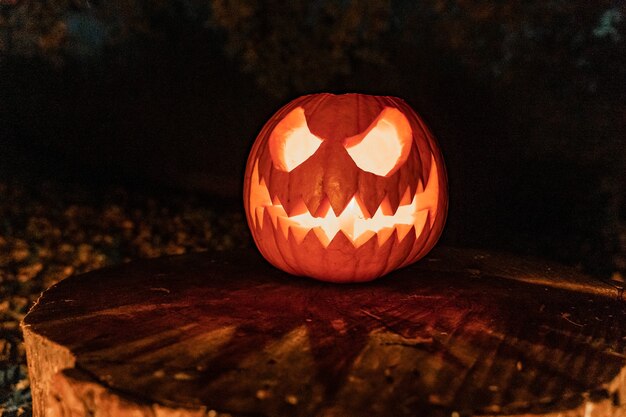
<point>345,188</point>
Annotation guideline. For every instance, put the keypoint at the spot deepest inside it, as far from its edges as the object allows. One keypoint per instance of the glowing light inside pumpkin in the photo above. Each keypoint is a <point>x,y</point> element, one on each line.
<point>353,222</point>
<point>385,146</point>
<point>291,142</point>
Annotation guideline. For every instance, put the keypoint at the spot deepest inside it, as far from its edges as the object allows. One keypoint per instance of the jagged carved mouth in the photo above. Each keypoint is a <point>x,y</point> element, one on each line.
<point>354,221</point>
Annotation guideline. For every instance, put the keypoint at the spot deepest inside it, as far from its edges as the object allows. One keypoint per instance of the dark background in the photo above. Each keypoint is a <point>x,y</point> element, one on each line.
<point>527,99</point>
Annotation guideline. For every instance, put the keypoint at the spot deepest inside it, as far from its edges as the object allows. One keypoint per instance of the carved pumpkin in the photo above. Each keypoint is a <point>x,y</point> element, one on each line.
<point>345,188</point>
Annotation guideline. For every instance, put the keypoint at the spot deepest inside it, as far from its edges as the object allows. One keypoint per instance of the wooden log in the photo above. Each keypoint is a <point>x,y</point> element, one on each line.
<point>460,333</point>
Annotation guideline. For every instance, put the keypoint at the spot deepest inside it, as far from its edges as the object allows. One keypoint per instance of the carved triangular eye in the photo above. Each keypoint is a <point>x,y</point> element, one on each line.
<point>384,146</point>
<point>291,143</point>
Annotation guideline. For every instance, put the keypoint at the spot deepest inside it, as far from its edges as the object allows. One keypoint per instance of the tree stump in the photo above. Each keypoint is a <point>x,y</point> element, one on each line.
<point>460,333</point>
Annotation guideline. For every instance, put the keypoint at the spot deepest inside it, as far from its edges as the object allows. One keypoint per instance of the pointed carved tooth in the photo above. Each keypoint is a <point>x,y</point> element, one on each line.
<point>407,197</point>
<point>284,248</point>
<point>392,199</point>
<point>370,266</point>
<point>339,202</point>
<point>429,197</point>
<point>275,212</point>
<point>289,201</point>
<point>419,245</point>
<point>384,235</point>
<point>259,194</point>
<point>432,220</point>
<point>420,221</point>
<point>278,185</point>
<point>268,220</point>
<point>400,248</point>
<point>313,202</point>
<point>321,236</point>
<point>310,254</point>
<point>362,206</point>
<point>386,207</point>
<point>364,238</point>
<point>258,214</point>
<point>427,167</point>
<point>347,219</point>
<point>420,187</point>
<point>269,244</point>
<point>298,233</point>
<point>283,226</point>
<point>340,242</point>
<point>297,208</point>
<point>403,230</point>
<point>373,202</point>
<point>322,208</point>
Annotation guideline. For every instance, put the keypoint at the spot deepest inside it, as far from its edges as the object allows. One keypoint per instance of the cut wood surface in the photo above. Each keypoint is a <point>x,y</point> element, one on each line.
<point>460,333</point>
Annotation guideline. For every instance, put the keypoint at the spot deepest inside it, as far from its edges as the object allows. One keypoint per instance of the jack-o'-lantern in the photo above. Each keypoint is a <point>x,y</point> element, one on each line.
<point>345,188</point>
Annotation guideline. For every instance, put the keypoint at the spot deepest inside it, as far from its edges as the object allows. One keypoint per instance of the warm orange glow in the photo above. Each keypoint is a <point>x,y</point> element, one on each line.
<point>345,188</point>
<point>291,142</point>
<point>385,146</point>
<point>352,221</point>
